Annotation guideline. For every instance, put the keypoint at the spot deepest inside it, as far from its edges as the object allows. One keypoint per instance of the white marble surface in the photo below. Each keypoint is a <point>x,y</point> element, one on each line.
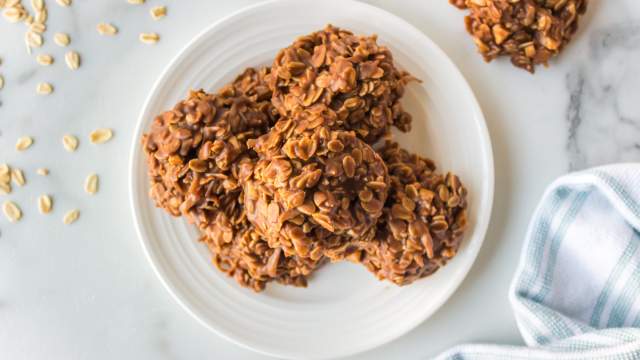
<point>86,291</point>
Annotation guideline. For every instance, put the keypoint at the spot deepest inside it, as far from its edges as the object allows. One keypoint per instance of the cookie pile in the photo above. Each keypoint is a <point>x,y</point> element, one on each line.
<point>292,166</point>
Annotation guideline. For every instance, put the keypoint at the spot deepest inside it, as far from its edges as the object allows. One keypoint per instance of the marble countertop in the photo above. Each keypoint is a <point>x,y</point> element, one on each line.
<point>86,291</point>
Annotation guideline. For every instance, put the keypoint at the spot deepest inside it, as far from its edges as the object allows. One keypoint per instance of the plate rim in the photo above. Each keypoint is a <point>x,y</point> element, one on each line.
<point>481,225</point>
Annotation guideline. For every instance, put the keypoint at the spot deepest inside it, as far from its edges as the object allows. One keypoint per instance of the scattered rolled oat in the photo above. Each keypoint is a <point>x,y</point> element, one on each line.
<point>37,5</point>
<point>38,27</point>
<point>61,39</point>
<point>41,16</point>
<point>44,88</point>
<point>14,15</point>
<point>64,3</point>
<point>91,184</point>
<point>71,216</point>
<point>1,81</point>
<point>17,176</point>
<point>136,2</point>
<point>42,171</point>
<point>44,204</point>
<point>106,29</point>
<point>44,59</point>
<point>149,38</point>
<point>73,60</point>
<point>24,143</point>
<point>33,39</point>
<point>70,142</point>
<point>5,179</point>
<point>12,211</point>
<point>158,12</point>
<point>100,136</point>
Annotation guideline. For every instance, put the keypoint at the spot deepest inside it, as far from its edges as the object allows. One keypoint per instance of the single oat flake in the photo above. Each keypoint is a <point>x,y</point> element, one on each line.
<point>14,15</point>
<point>37,4</point>
<point>5,188</point>
<point>17,176</point>
<point>44,88</point>
<point>1,81</point>
<point>91,184</point>
<point>44,59</point>
<point>72,59</point>
<point>106,29</point>
<point>64,3</point>
<point>24,143</point>
<point>70,142</point>
<point>42,171</point>
<point>149,38</point>
<point>100,136</point>
<point>33,39</point>
<point>158,12</point>
<point>12,211</point>
<point>136,2</point>
<point>61,39</point>
<point>71,216</point>
<point>44,204</point>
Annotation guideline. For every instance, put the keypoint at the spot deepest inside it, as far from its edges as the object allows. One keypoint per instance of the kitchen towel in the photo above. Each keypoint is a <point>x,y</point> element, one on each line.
<point>576,292</point>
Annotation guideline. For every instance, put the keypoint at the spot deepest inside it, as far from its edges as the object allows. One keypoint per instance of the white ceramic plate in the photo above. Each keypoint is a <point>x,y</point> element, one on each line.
<point>344,310</point>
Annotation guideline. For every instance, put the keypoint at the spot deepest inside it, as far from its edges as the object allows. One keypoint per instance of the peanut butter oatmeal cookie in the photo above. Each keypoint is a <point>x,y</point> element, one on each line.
<point>529,31</point>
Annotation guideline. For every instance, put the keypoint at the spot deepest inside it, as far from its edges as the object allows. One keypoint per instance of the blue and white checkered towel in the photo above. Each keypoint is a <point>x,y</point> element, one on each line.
<point>576,292</point>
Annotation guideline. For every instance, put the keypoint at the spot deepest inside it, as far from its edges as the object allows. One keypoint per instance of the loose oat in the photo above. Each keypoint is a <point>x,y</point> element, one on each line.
<point>1,81</point>
<point>33,39</point>
<point>41,16</point>
<point>73,60</point>
<point>44,204</point>
<point>37,5</point>
<point>149,38</point>
<point>70,142</point>
<point>24,143</point>
<point>5,188</point>
<point>17,176</point>
<point>38,27</point>
<point>106,29</point>
<point>44,59</point>
<point>71,216</point>
<point>44,88</point>
<point>136,2</point>
<point>64,3</point>
<point>61,39</point>
<point>14,15</point>
<point>42,171</point>
<point>158,12</point>
<point>100,136</point>
<point>91,184</point>
<point>12,211</point>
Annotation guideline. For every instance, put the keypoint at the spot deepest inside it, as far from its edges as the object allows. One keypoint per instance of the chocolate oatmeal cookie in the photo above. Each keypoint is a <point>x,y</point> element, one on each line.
<point>530,32</point>
<point>240,252</point>
<point>314,190</point>
<point>197,151</point>
<point>423,222</point>
<point>353,75</point>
